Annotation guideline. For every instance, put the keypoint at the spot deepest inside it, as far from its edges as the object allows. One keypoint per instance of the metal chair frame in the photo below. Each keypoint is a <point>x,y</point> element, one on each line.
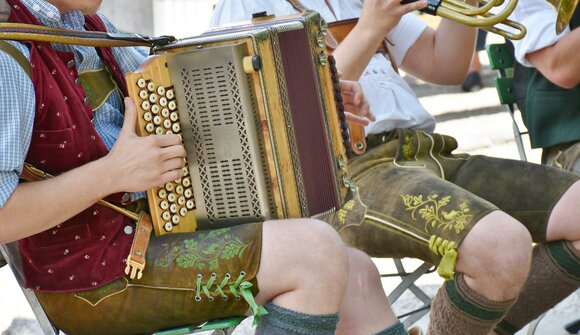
<point>501,59</point>
<point>408,283</point>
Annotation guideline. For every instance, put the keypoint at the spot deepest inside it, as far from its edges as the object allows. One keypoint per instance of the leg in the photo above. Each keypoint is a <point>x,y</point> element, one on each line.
<point>308,287</point>
<point>303,275</point>
<point>555,265</point>
<point>493,263</point>
<point>545,200</point>
<point>365,308</point>
<point>303,267</point>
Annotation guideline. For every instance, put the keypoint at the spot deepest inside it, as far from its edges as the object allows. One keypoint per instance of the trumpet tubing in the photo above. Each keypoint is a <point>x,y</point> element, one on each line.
<point>479,16</point>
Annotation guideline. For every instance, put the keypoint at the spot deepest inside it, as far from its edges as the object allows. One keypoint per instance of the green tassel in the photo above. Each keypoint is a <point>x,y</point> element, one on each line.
<point>447,250</point>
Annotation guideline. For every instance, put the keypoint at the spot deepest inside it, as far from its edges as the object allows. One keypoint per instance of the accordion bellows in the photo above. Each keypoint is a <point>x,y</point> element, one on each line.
<point>259,111</point>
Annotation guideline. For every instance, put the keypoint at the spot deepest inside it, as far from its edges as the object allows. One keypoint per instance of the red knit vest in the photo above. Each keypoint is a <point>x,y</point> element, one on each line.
<point>89,250</point>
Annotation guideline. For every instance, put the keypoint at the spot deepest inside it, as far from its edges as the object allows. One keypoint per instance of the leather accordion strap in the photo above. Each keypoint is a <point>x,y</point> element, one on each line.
<point>36,33</point>
<point>18,56</point>
<point>143,229</point>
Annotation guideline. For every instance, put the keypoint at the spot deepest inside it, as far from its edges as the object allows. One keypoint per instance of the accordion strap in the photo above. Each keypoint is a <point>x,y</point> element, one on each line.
<point>143,229</point>
<point>37,33</point>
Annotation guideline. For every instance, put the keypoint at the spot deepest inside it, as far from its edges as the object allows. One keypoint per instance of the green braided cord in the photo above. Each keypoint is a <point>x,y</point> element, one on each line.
<point>257,310</point>
<point>234,286</point>
<point>219,288</point>
<point>198,288</point>
<point>208,285</point>
<point>242,286</point>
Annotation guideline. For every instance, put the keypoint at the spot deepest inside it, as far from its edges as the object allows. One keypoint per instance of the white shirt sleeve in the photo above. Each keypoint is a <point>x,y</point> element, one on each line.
<point>405,34</point>
<point>230,11</point>
<point>540,20</point>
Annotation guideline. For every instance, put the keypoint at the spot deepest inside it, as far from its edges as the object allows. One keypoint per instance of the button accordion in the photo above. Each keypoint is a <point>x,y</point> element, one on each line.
<point>258,108</point>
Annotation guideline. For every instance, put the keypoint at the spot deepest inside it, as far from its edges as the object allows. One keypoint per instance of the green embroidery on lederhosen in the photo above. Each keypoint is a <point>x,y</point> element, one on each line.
<point>431,211</point>
<point>205,251</point>
<point>408,147</point>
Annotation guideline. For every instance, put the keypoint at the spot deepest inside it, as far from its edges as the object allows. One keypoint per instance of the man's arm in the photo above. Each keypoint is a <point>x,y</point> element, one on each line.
<point>377,19</point>
<point>442,56</point>
<point>560,62</point>
<point>134,164</point>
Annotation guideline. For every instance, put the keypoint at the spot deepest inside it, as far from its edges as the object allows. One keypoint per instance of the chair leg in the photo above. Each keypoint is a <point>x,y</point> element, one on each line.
<point>408,283</point>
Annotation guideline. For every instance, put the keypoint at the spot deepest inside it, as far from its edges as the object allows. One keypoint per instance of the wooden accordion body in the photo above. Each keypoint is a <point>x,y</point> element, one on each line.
<point>259,111</point>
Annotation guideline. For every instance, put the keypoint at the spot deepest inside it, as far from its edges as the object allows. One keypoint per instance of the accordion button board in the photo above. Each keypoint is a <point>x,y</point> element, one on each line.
<point>172,205</point>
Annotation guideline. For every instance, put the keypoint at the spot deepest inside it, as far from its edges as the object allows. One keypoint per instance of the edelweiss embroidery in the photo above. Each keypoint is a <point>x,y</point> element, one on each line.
<point>431,211</point>
<point>205,251</point>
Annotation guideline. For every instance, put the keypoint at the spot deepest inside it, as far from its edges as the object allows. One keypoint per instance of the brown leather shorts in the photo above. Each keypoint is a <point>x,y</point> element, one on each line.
<point>563,156</point>
<point>415,189</point>
<point>189,278</point>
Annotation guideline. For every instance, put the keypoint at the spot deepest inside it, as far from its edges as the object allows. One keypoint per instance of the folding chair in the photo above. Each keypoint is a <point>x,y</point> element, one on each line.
<point>502,59</point>
<point>10,253</point>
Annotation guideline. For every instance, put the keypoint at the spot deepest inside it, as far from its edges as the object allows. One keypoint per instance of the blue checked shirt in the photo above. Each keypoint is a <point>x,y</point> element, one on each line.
<point>17,102</point>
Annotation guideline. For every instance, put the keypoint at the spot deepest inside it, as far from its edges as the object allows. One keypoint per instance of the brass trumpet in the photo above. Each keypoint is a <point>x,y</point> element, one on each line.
<point>481,17</point>
<point>565,10</point>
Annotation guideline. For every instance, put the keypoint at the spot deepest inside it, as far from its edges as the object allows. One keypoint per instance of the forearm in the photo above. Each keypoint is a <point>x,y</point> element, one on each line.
<point>356,51</point>
<point>560,63</point>
<point>38,206</point>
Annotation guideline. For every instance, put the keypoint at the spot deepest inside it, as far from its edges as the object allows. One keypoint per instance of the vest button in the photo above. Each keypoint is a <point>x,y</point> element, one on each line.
<point>70,64</point>
<point>128,230</point>
<point>126,197</point>
<point>78,81</point>
<point>86,101</point>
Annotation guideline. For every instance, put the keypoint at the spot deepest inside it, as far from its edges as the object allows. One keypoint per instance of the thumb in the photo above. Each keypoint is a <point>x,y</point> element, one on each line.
<point>130,117</point>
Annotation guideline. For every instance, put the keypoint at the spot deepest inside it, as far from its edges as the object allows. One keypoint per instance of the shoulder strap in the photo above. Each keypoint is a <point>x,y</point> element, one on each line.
<point>36,33</point>
<point>18,57</point>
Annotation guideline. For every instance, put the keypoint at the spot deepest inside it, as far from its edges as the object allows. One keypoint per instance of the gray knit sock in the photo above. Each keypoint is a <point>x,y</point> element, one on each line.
<point>282,321</point>
<point>396,329</point>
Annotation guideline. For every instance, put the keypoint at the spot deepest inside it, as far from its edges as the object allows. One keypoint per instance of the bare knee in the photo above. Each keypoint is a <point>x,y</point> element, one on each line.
<point>495,256</point>
<point>327,253</point>
<point>364,276</point>
<point>310,250</point>
<point>564,222</point>
<point>304,262</point>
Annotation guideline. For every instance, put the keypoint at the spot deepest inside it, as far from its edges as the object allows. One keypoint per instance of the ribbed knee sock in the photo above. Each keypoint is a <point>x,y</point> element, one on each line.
<point>282,321</point>
<point>555,274</point>
<point>457,309</point>
<point>396,329</point>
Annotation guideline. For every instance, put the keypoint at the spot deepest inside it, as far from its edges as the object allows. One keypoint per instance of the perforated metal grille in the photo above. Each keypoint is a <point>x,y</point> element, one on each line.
<point>215,109</point>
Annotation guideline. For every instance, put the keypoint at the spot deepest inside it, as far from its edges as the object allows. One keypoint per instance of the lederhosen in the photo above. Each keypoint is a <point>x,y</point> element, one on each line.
<point>77,268</point>
<point>420,200</point>
<point>551,114</point>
